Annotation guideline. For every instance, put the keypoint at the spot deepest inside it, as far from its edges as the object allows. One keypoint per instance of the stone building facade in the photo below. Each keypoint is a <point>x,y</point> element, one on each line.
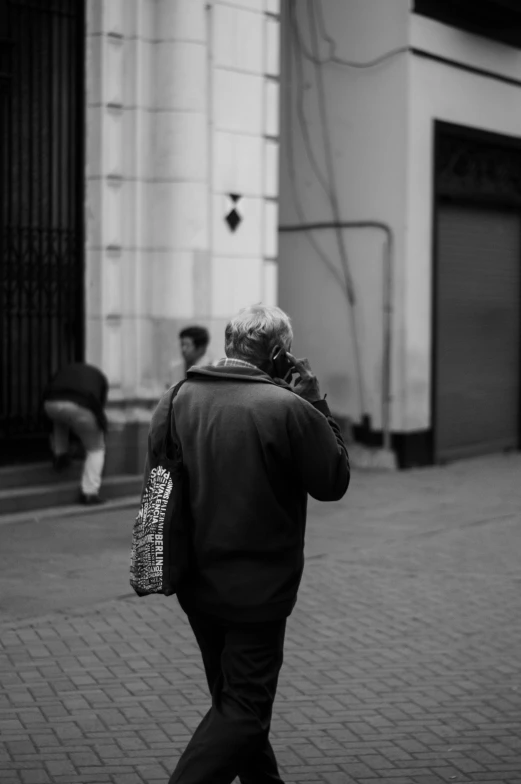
<point>182,125</point>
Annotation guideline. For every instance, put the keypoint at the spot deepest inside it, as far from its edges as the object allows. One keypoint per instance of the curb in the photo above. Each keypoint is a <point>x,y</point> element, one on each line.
<point>76,510</point>
<point>66,615</point>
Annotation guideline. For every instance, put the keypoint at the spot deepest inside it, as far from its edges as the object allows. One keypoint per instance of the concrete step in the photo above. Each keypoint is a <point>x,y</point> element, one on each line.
<point>63,493</point>
<point>32,474</point>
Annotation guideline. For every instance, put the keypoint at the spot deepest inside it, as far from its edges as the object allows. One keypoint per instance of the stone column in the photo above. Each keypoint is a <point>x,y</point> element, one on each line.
<point>178,247</point>
<point>244,59</point>
<point>182,115</point>
<point>119,143</point>
<point>119,123</point>
<point>216,94</point>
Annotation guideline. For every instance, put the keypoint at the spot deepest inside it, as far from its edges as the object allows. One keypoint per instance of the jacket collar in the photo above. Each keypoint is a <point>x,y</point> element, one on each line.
<point>237,373</point>
<point>162,414</point>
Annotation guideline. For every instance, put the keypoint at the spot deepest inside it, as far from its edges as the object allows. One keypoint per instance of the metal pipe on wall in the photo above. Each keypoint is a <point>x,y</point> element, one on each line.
<point>388,263</point>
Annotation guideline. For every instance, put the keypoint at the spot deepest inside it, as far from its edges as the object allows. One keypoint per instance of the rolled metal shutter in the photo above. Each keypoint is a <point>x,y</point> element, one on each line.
<point>477,370</point>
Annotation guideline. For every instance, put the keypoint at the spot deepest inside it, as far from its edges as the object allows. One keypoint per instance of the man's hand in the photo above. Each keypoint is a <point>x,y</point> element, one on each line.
<point>307,384</point>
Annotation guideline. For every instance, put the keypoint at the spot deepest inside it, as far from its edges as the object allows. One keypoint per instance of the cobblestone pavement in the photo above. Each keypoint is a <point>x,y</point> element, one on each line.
<point>403,657</point>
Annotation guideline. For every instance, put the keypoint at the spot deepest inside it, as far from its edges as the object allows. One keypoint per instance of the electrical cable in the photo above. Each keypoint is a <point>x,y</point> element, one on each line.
<point>326,135</point>
<point>301,114</point>
<point>299,44</point>
<point>341,61</point>
<point>293,180</point>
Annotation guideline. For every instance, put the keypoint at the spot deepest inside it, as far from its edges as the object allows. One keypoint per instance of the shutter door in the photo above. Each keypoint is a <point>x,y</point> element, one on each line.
<point>477,331</point>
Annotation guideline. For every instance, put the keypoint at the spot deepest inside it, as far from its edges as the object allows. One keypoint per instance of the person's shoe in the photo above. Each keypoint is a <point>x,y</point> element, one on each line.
<point>91,499</point>
<point>60,462</point>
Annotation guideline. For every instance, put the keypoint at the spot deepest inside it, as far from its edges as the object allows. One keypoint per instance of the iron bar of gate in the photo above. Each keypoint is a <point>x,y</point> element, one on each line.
<point>10,238</point>
<point>54,11</point>
<point>7,154</point>
<point>20,193</point>
<point>28,270</point>
<point>20,217</point>
<point>79,192</point>
<point>40,335</point>
<point>17,244</point>
<point>3,100</point>
<point>4,91</point>
<point>50,198</point>
<point>59,256</point>
<point>71,256</point>
<point>6,67</point>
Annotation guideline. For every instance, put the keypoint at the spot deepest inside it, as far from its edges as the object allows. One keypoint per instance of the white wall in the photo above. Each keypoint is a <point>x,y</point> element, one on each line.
<point>182,109</point>
<point>442,92</point>
<point>382,122</point>
<point>368,120</point>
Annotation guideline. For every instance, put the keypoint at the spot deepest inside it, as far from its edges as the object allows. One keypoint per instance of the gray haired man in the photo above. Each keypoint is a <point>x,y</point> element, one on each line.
<point>254,448</point>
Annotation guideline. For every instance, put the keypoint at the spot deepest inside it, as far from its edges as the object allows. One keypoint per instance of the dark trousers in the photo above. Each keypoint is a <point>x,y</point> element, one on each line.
<point>242,664</point>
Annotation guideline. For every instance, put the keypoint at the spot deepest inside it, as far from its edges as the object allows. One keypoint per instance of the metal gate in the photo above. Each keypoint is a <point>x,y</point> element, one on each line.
<point>477,289</point>
<point>41,209</point>
<point>478,319</point>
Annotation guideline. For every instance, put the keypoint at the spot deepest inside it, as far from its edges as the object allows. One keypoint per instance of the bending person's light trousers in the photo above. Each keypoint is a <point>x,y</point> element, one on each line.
<point>67,416</point>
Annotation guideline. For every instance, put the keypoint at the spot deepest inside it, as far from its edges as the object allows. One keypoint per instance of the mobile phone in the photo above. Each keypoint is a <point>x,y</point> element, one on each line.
<point>283,367</point>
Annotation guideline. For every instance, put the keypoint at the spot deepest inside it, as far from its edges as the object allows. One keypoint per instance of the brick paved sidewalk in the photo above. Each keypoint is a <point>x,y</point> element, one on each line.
<point>403,665</point>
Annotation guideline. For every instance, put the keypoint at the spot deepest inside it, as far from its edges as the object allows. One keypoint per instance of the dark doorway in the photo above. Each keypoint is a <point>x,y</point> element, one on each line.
<point>499,20</point>
<point>41,210</point>
<point>477,297</point>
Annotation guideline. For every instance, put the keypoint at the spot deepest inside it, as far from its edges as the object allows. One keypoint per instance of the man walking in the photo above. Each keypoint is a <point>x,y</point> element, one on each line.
<point>75,400</point>
<point>254,447</point>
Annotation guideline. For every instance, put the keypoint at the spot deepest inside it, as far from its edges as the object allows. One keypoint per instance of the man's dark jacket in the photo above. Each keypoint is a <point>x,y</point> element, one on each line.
<point>253,450</point>
<point>82,384</point>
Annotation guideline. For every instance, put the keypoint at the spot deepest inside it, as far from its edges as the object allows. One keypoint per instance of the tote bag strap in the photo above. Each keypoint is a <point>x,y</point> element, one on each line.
<point>171,421</point>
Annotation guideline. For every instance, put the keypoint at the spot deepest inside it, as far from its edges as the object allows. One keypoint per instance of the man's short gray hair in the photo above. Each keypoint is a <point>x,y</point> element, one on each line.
<point>255,331</point>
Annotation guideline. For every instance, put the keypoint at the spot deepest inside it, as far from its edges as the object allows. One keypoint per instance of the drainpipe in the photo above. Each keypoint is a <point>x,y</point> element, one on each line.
<point>388,263</point>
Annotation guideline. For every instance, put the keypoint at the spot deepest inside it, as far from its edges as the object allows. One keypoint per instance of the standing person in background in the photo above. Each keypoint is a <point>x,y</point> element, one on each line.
<point>194,343</point>
<point>75,399</point>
